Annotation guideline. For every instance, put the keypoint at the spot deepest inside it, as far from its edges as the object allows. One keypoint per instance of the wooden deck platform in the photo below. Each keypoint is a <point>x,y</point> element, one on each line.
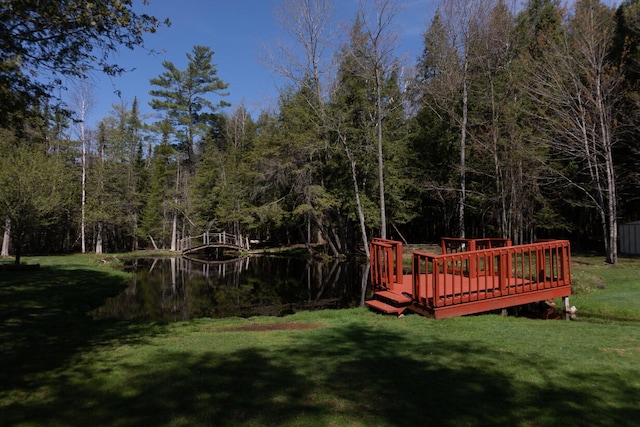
<point>471,281</point>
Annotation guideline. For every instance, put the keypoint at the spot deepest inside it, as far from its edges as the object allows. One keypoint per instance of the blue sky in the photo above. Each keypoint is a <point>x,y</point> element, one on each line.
<point>237,31</point>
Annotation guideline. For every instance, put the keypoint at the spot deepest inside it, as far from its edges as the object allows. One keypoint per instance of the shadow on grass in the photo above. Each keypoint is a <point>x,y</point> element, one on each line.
<point>44,322</point>
<point>351,374</point>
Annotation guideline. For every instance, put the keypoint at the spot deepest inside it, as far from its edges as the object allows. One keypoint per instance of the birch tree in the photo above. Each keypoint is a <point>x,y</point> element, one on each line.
<point>350,113</point>
<point>305,60</point>
<point>381,63</point>
<point>578,87</point>
<point>84,101</point>
<point>6,236</point>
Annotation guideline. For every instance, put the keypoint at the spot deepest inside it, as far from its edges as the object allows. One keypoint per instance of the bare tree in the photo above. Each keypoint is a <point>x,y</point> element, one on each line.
<point>380,63</point>
<point>305,62</point>
<point>84,101</point>
<point>578,87</point>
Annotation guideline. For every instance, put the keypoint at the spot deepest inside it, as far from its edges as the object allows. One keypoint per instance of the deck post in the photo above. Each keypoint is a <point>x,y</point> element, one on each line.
<point>398,259</point>
<point>565,308</point>
<point>472,259</point>
<point>541,267</point>
<point>502,273</point>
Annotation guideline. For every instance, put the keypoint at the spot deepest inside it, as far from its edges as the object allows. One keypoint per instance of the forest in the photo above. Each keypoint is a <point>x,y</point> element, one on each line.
<point>517,121</point>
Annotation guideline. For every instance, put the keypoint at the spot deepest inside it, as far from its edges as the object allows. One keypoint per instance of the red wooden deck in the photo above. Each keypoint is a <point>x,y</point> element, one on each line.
<point>469,281</point>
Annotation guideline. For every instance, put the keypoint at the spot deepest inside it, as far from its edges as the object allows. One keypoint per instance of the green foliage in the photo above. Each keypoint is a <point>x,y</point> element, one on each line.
<point>156,216</point>
<point>117,176</point>
<point>42,41</point>
<point>33,186</point>
<point>222,193</point>
<point>183,95</point>
<point>353,119</point>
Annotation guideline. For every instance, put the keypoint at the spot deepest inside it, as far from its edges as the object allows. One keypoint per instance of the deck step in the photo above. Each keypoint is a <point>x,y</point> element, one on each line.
<point>396,299</point>
<point>389,302</point>
<point>384,307</point>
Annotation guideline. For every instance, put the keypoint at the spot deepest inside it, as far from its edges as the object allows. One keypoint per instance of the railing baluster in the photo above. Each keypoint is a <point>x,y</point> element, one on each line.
<point>500,271</point>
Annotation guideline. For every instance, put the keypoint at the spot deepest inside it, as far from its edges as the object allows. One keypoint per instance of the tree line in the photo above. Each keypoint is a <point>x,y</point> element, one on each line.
<point>516,121</point>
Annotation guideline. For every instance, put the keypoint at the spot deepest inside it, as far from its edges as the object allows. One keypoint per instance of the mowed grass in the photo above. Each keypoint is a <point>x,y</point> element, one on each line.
<point>346,367</point>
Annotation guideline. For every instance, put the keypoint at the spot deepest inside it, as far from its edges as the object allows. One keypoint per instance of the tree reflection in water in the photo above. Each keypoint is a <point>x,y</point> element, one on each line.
<point>173,289</point>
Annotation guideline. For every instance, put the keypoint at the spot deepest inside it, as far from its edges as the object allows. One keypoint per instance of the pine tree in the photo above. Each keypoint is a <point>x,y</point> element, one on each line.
<point>183,95</point>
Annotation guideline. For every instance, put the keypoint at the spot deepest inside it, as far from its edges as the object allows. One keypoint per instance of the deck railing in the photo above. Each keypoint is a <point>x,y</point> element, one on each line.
<point>451,245</point>
<point>386,262</point>
<point>441,280</point>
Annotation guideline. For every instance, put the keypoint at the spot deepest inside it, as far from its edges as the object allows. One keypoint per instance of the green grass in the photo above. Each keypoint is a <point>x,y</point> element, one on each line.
<point>605,292</point>
<point>347,367</point>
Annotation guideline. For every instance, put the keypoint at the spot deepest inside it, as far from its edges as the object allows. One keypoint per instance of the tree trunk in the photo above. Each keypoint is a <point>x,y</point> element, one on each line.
<point>84,192</point>
<point>99,237</point>
<point>356,190</point>
<point>174,232</point>
<point>383,213</point>
<point>6,238</point>
<point>463,143</point>
<point>18,246</point>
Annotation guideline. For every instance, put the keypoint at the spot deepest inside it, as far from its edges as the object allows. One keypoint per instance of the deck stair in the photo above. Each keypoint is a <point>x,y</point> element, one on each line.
<point>470,276</point>
<point>389,302</point>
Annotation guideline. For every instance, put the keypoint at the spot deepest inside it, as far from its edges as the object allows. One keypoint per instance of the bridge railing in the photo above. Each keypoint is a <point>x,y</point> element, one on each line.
<point>206,239</point>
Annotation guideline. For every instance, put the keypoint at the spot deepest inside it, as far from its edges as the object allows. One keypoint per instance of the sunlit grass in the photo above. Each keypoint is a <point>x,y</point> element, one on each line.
<point>333,367</point>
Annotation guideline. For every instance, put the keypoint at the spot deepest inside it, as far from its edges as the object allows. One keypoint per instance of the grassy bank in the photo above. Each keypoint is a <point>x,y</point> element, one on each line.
<point>347,367</point>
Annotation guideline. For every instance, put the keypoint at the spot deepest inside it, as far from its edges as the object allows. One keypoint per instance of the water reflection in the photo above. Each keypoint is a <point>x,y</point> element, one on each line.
<point>172,289</point>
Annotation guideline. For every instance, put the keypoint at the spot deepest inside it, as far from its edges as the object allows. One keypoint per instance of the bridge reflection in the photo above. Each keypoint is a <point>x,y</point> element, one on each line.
<point>220,266</point>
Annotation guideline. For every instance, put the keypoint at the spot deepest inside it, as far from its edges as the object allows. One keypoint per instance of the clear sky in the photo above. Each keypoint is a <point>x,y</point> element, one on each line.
<point>237,31</point>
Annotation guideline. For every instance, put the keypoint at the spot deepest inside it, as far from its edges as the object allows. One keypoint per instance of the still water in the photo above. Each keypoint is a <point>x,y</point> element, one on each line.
<point>174,289</point>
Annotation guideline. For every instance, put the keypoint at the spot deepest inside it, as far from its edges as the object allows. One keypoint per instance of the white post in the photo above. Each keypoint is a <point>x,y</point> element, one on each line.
<point>565,308</point>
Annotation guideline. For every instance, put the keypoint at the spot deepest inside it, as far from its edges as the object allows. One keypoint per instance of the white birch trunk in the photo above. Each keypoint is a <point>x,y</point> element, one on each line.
<point>4,253</point>
<point>174,232</point>
<point>383,212</point>
<point>463,147</point>
<point>99,237</point>
<point>356,190</point>
<point>84,186</point>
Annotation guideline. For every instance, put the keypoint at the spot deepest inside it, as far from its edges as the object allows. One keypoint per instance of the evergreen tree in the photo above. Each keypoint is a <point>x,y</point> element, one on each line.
<point>114,197</point>
<point>157,216</point>
<point>223,178</point>
<point>183,95</point>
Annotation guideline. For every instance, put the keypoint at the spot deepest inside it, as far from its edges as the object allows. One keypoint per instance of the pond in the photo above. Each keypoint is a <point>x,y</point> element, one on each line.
<point>176,289</point>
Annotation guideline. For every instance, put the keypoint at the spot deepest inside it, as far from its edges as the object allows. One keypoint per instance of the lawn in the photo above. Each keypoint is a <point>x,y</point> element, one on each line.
<point>347,367</point>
